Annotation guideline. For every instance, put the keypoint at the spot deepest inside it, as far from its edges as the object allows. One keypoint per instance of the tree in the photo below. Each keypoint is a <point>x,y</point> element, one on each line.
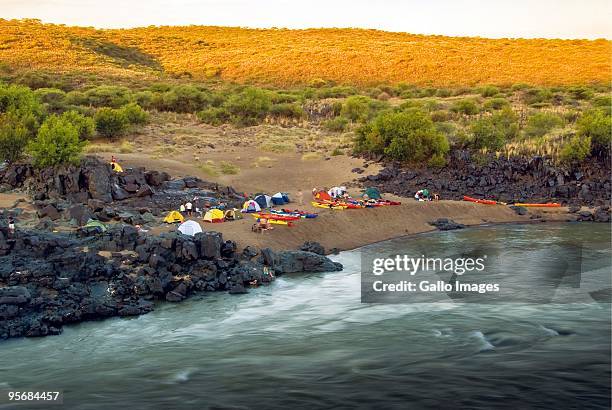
<point>85,126</point>
<point>403,136</point>
<point>14,137</point>
<point>597,125</point>
<point>110,122</point>
<point>57,142</point>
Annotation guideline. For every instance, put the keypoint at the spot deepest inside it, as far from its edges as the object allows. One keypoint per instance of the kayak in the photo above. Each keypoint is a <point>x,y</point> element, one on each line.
<point>328,206</point>
<point>479,201</point>
<point>287,212</point>
<point>279,222</point>
<point>548,205</point>
<point>352,205</point>
<point>275,217</point>
<point>388,202</point>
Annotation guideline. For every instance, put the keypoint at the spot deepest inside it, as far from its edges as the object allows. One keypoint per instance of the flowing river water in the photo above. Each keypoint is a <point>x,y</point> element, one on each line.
<point>307,341</point>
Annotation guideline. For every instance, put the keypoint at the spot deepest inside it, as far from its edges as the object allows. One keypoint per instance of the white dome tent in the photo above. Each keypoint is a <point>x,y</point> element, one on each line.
<point>190,228</point>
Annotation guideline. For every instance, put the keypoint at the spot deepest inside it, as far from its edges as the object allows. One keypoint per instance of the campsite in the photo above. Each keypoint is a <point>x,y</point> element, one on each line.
<point>330,205</point>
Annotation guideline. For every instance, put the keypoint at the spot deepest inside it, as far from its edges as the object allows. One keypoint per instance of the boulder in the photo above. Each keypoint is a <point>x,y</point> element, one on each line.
<point>314,247</point>
<point>445,224</point>
<point>301,261</point>
<point>519,210</point>
<point>49,211</point>
<point>14,295</point>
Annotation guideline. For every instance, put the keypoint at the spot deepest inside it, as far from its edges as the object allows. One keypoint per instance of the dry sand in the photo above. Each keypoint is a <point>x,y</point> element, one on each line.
<point>352,228</point>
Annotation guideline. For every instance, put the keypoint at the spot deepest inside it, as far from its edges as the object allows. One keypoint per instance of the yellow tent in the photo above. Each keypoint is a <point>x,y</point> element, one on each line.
<point>173,217</point>
<point>214,215</point>
<point>116,167</point>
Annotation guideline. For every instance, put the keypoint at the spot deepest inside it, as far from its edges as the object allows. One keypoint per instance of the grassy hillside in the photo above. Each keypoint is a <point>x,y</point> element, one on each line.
<point>298,57</point>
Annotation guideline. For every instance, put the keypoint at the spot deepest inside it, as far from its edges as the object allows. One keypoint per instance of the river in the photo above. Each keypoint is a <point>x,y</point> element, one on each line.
<point>307,341</point>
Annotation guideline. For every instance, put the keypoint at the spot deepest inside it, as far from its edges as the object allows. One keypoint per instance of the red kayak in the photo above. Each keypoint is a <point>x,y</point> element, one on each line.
<point>479,201</point>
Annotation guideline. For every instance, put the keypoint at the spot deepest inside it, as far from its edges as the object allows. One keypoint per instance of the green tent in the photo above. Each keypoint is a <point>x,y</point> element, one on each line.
<point>93,224</point>
<point>372,193</point>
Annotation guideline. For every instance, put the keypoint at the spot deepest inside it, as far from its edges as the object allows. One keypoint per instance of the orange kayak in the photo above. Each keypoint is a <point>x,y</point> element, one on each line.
<point>479,201</point>
<point>548,205</point>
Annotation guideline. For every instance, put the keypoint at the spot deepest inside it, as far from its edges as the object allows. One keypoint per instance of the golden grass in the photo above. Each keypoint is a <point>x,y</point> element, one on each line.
<point>97,148</point>
<point>312,56</point>
<point>227,168</point>
<point>311,156</point>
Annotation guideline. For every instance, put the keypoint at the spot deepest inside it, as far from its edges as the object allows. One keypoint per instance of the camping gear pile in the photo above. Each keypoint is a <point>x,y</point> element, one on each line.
<point>337,198</point>
<point>260,207</point>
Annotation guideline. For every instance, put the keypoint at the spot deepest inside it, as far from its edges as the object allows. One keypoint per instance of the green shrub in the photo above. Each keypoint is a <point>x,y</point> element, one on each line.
<point>134,114</point>
<point>14,137</point>
<point>493,132</point>
<point>111,122</point>
<point>287,110</point>
<point>541,123</point>
<point>337,124</point>
<point>249,107</point>
<point>108,96</point>
<point>214,116</point>
<point>466,106</point>
<point>488,91</point>
<point>576,150</point>
<point>85,126</point>
<point>443,93</point>
<point>536,95</point>
<point>184,99</point>
<point>404,136</point>
<point>54,98</point>
<point>356,108</point>
<point>596,125</point>
<point>76,98</point>
<point>440,116</point>
<point>336,152</point>
<point>335,92</point>
<point>437,161</point>
<point>581,92</point>
<point>57,142</point>
<point>495,104</point>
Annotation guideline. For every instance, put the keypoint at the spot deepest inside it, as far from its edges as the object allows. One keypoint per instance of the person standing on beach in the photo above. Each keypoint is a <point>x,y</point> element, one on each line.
<point>182,209</point>
<point>11,226</point>
<point>300,197</point>
<point>189,207</point>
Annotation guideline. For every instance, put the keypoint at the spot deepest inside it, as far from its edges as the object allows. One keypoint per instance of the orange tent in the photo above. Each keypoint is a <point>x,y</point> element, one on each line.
<point>323,196</point>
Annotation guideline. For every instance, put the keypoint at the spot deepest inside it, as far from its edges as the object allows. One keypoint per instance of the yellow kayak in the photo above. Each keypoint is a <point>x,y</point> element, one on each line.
<point>328,206</point>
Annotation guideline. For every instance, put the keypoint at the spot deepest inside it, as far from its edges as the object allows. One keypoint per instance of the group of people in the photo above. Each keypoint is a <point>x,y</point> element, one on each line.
<point>425,195</point>
<point>191,208</point>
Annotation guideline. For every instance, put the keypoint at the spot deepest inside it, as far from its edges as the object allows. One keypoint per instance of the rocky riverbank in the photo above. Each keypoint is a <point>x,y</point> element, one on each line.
<point>48,280</point>
<point>52,274</point>
<point>508,180</point>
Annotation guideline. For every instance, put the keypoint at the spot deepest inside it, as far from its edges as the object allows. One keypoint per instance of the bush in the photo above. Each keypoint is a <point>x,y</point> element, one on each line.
<point>21,103</point>
<point>581,92</point>
<point>495,104</point>
<point>287,110</point>
<point>134,114</point>
<point>184,99</point>
<point>437,161</point>
<point>440,116</point>
<point>576,150</point>
<point>466,106</point>
<point>214,116</point>
<point>248,107</point>
<point>541,123</point>
<point>356,108</point>
<point>488,91</point>
<point>337,124</point>
<point>108,96</point>
<point>404,136</point>
<point>596,125</point>
<point>493,132</point>
<point>57,142</point>
<point>537,96</point>
<point>14,137</point>
<point>111,122</point>
<point>54,98</point>
<point>85,126</point>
